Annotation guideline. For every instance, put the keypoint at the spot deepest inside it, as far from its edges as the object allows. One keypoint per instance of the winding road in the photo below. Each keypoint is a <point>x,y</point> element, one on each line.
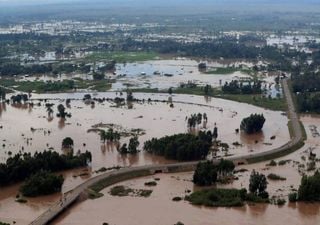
<point>71,196</point>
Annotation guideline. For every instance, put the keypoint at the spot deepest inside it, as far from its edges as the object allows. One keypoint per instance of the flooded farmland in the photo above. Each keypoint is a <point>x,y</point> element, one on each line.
<point>37,132</point>
<point>112,209</point>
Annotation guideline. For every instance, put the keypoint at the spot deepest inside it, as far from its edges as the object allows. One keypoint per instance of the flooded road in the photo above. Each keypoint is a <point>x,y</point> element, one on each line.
<point>156,119</point>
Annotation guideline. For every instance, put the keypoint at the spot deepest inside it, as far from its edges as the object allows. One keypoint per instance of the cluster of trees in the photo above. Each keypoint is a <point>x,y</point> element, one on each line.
<point>67,142</point>
<point>10,69</point>
<point>258,184</point>
<point>196,119</point>
<point>42,183</point>
<point>252,124</point>
<point>132,148</point>
<point>181,147</point>
<point>309,189</point>
<point>207,173</point>
<point>236,87</point>
<point>19,98</point>
<point>21,166</point>
<point>110,135</point>
<point>307,87</point>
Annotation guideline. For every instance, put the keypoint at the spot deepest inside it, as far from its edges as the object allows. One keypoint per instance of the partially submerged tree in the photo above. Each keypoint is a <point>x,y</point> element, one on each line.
<point>67,142</point>
<point>252,124</point>
<point>258,184</point>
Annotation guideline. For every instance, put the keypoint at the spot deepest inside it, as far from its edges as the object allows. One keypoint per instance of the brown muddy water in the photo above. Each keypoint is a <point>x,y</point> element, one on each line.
<point>159,208</point>
<point>156,119</point>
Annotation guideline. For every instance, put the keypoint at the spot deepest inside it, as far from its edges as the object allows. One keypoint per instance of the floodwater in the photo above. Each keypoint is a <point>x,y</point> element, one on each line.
<point>150,210</point>
<point>141,75</point>
<point>169,73</point>
<point>159,209</point>
<point>155,119</point>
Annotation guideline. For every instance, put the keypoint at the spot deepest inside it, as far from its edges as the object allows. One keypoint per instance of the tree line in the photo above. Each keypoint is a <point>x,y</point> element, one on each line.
<point>21,166</point>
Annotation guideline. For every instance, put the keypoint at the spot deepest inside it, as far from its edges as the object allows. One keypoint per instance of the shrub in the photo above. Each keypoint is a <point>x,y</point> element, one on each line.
<point>150,183</point>
<point>176,199</point>
<point>293,197</point>
<point>273,176</point>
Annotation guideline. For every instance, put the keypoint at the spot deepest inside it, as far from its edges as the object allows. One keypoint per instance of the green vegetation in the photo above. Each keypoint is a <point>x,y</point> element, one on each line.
<point>122,57</point>
<point>150,183</point>
<point>277,104</point>
<point>252,124</point>
<point>272,163</point>
<point>273,176</point>
<point>181,147</point>
<point>176,199</point>
<point>122,191</point>
<point>42,183</point>
<point>306,86</point>
<point>218,197</point>
<point>228,70</point>
<point>67,142</point>
<point>22,166</point>
<point>208,173</point>
<point>309,189</point>
<point>293,197</point>
<point>2,223</point>
<point>56,86</point>
<point>93,194</point>
<point>258,185</point>
<point>246,88</point>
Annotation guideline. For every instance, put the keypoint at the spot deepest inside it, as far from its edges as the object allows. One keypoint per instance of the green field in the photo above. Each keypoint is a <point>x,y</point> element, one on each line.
<point>229,70</point>
<point>123,56</point>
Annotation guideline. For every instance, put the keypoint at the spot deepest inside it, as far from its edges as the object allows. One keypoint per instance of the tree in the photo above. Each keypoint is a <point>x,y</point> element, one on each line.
<point>252,124</point>
<point>215,133</point>
<point>133,145</point>
<point>207,89</point>
<point>67,142</point>
<point>170,91</point>
<point>61,111</point>
<point>205,174</point>
<point>258,184</point>
<point>309,189</point>
<point>49,109</point>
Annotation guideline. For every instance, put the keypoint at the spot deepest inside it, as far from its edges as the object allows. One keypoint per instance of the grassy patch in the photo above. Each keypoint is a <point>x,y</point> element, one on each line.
<point>93,194</point>
<point>217,198</point>
<point>57,86</point>
<point>126,191</point>
<point>277,104</point>
<point>228,70</point>
<point>123,56</point>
